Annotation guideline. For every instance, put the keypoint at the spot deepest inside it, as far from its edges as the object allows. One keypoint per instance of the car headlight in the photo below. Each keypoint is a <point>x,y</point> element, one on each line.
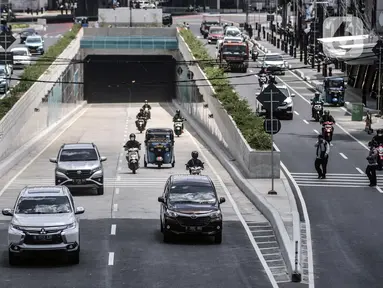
<point>16,227</point>
<point>216,214</point>
<point>288,101</point>
<point>40,47</point>
<point>71,226</point>
<point>151,149</point>
<point>167,149</point>
<point>171,213</point>
<point>96,169</point>
<point>60,170</point>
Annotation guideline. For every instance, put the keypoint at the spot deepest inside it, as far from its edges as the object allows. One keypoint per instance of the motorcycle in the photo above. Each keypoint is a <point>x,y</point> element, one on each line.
<point>318,111</point>
<point>133,159</point>
<point>380,157</point>
<point>327,131</point>
<point>147,113</point>
<point>141,124</point>
<point>178,127</point>
<point>196,170</point>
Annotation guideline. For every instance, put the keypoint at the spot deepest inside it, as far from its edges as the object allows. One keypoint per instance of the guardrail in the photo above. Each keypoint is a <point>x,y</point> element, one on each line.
<point>255,164</point>
<point>44,103</point>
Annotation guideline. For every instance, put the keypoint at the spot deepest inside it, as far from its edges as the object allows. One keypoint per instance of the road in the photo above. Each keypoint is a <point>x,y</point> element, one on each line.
<point>121,242</point>
<point>52,34</point>
<point>345,213</point>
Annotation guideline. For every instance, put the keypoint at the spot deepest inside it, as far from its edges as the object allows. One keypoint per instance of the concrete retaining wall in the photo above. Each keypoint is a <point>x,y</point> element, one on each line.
<point>134,31</point>
<point>44,104</point>
<point>255,164</point>
<point>123,14</point>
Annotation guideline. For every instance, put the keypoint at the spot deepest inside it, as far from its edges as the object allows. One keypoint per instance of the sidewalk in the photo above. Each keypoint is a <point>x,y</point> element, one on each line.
<point>46,13</point>
<point>315,78</point>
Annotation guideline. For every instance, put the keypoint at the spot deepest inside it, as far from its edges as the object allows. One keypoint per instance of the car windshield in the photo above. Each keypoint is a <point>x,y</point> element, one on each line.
<point>43,205</point>
<point>158,135</point>
<point>28,32</point>
<point>19,53</point>
<point>335,84</point>
<point>233,33</point>
<point>278,58</point>
<point>216,31</point>
<point>210,23</point>
<point>234,49</point>
<point>34,40</point>
<point>192,193</point>
<point>78,155</point>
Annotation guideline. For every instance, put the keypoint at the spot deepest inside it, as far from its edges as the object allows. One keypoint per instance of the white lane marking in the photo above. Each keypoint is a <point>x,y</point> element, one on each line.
<point>111,259</point>
<point>251,71</point>
<point>306,121</point>
<point>113,229</point>
<point>344,156</point>
<point>296,113</point>
<point>331,144</point>
<point>115,207</point>
<point>359,170</point>
<point>238,213</point>
<point>308,227</point>
<point>117,191</point>
<point>316,131</point>
<point>9,183</point>
<point>276,147</point>
<point>120,160</point>
<point>118,178</point>
<point>379,190</point>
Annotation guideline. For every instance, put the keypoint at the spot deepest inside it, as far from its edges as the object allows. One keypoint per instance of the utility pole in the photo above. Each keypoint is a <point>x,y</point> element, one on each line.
<point>247,11</point>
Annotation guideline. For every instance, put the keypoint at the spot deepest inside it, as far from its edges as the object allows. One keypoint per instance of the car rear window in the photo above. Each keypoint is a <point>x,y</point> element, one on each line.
<point>78,155</point>
<point>192,193</point>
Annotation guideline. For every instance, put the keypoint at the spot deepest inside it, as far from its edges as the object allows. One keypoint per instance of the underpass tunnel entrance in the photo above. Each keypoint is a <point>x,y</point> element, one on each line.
<point>129,78</point>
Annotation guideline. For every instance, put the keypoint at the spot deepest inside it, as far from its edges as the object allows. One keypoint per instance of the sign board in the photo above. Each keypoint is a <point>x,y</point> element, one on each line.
<point>271,92</point>
<point>270,17</point>
<point>190,75</point>
<point>259,6</point>
<point>6,39</point>
<point>6,58</point>
<point>272,126</point>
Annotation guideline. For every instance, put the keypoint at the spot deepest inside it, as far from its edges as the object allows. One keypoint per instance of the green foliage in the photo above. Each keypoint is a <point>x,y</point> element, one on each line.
<point>35,71</point>
<point>247,121</point>
<point>19,26</point>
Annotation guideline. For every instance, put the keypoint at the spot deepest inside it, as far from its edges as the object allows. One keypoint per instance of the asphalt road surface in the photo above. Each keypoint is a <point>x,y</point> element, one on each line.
<point>121,244</point>
<point>345,213</point>
<point>52,34</point>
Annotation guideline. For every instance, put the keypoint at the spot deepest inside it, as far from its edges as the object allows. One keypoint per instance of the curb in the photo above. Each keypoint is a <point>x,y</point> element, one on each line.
<point>258,201</point>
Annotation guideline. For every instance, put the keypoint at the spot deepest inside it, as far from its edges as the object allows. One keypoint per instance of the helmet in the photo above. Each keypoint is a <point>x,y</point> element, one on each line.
<point>327,113</point>
<point>194,154</point>
<point>317,94</point>
<point>141,110</point>
<point>146,101</point>
<point>132,137</point>
<point>178,111</point>
<point>320,136</point>
<point>380,132</point>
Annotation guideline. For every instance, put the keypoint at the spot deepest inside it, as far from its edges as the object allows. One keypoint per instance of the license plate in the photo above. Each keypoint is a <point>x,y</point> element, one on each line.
<point>159,158</point>
<point>43,237</point>
<point>79,181</point>
<point>194,229</point>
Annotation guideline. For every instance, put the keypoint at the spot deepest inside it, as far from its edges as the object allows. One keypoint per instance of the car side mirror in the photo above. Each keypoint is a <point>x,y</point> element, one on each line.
<point>292,95</point>
<point>53,160</point>
<point>102,159</point>
<point>161,199</point>
<point>79,210</point>
<point>222,200</point>
<point>7,212</point>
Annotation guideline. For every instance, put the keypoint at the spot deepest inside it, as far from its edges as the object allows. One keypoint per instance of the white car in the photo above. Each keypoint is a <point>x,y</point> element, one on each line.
<point>44,219</point>
<point>35,44</point>
<point>275,63</point>
<point>232,31</point>
<point>286,109</point>
<point>21,57</point>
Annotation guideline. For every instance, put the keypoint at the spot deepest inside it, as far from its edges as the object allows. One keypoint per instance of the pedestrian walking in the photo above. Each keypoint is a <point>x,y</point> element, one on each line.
<point>372,165</point>
<point>322,152</point>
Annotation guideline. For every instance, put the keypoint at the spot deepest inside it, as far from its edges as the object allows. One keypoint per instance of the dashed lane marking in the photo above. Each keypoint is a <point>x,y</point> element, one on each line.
<point>306,121</point>
<point>111,259</point>
<point>113,229</point>
<point>344,156</point>
<point>360,170</point>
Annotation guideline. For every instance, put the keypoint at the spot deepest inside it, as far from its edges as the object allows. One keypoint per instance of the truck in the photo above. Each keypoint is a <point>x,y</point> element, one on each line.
<point>207,22</point>
<point>234,56</point>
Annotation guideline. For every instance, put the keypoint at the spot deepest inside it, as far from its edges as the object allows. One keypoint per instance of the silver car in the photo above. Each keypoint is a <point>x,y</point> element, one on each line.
<point>44,219</point>
<point>79,165</point>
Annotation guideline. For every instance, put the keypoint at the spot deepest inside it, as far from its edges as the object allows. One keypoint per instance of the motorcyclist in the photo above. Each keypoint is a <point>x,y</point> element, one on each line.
<point>262,73</point>
<point>316,100</point>
<point>177,117</point>
<point>378,138</point>
<point>141,115</point>
<point>194,161</point>
<point>147,106</point>
<point>272,80</point>
<point>327,118</point>
<point>132,142</point>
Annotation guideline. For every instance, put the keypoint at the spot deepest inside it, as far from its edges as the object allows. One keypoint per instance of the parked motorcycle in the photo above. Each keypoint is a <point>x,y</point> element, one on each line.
<point>328,131</point>
<point>141,124</point>
<point>133,159</point>
<point>177,127</point>
<point>318,111</point>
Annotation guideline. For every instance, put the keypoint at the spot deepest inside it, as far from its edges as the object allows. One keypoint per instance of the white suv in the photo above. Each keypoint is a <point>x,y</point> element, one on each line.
<point>44,219</point>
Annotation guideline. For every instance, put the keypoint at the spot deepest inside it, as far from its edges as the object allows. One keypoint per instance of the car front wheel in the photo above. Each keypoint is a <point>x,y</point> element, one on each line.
<point>218,238</point>
<point>74,257</point>
<point>13,258</point>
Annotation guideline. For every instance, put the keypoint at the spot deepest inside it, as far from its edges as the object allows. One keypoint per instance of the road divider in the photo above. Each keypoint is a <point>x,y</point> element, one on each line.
<point>240,130</point>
